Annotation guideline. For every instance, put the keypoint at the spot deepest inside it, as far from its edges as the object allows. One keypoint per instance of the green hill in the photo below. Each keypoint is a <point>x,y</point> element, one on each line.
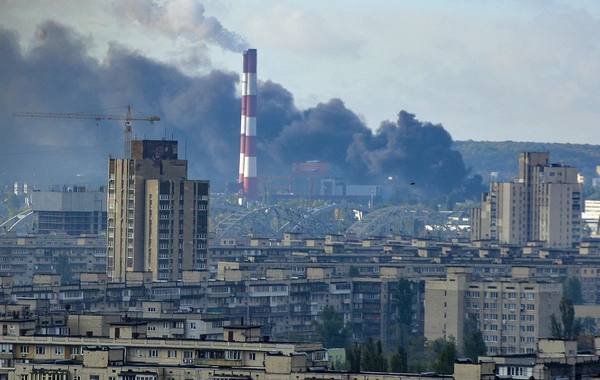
<point>484,157</point>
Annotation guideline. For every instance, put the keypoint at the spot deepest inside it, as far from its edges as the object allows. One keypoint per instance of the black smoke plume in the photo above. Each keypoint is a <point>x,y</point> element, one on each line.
<point>418,153</point>
<point>201,112</point>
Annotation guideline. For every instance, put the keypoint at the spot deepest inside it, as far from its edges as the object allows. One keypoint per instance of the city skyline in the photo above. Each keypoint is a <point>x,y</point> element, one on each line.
<point>181,60</point>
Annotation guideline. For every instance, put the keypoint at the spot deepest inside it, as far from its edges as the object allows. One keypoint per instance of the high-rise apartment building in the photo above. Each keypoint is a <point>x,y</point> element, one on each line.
<point>511,313</point>
<point>542,205</point>
<point>157,218</point>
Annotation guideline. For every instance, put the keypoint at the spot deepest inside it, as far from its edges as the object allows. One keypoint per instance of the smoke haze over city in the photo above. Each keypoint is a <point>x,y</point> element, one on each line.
<point>193,86</point>
<point>201,111</point>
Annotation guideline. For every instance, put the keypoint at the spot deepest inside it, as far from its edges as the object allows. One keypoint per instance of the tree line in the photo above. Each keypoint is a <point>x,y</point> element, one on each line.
<point>413,353</point>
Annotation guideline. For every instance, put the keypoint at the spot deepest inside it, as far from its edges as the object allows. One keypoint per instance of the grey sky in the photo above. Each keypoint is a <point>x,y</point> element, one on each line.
<point>486,70</point>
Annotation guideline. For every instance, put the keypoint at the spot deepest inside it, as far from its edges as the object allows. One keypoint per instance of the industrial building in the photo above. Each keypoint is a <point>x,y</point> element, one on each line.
<point>157,218</point>
<point>74,210</point>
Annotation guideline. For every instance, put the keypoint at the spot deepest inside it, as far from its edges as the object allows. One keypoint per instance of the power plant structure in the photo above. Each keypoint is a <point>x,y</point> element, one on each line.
<point>248,174</point>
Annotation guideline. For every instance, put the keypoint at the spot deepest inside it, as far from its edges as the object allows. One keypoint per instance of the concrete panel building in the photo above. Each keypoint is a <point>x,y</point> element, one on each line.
<point>73,210</point>
<point>512,314</point>
<point>544,204</point>
<point>157,218</point>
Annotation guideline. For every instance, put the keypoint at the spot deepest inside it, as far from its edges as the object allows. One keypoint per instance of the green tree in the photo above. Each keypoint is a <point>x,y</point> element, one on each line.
<point>13,203</point>
<point>295,337</point>
<point>399,361</point>
<point>473,344</point>
<point>556,331</point>
<point>354,357</point>
<point>446,355</point>
<point>332,331</point>
<point>373,359</point>
<point>419,357</point>
<point>568,327</point>
<point>64,269</point>
<point>403,303</point>
<point>572,290</point>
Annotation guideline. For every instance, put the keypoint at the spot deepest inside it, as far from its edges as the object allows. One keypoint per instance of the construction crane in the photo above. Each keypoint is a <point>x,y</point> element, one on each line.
<point>128,119</point>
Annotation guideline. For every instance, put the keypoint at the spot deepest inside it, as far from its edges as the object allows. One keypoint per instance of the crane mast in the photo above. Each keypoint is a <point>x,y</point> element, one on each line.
<point>128,118</point>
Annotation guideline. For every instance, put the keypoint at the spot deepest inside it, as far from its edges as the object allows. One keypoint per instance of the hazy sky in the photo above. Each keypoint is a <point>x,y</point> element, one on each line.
<point>486,70</point>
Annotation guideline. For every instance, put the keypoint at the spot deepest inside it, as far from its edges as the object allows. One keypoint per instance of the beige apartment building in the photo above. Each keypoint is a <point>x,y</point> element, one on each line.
<point>22,257</point>
<point>512,314</point>
<point>157,218</point>
<point>542,205</point>
<point>128,352</point>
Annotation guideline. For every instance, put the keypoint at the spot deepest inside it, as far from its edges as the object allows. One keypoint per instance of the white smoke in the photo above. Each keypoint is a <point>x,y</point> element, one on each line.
<point>180,18</point>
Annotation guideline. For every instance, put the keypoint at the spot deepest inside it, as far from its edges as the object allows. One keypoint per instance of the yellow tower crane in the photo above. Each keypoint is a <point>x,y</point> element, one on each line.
<point>128,119</point>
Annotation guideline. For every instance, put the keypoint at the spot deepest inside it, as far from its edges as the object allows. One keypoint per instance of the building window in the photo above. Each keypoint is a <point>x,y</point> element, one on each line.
<point>153,353</point>
<point>233,355</point>
<point>6,348</point>
<point>252,356</point>
<point>172,353</point>
<point>40,350</point>
<point>59,350</point>
<point>151,328</point>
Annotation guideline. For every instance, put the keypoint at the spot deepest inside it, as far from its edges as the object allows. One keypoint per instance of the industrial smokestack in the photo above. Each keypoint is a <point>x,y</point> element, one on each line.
<point>243,121</point>
<point>250,170</point>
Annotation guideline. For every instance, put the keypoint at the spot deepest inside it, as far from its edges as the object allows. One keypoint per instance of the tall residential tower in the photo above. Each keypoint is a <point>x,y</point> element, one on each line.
<point>542,205</point>
<point>157,218</point>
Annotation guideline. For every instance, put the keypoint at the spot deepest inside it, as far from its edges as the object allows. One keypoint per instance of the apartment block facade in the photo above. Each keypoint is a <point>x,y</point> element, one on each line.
<point>157,218</point>
<point>542,205</point>
<point>511,313</point>
<point>22,257</point>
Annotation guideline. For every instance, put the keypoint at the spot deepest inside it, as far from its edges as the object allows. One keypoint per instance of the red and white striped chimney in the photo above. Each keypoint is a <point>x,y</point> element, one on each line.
<point>250,171</point>
<point>243,121</point>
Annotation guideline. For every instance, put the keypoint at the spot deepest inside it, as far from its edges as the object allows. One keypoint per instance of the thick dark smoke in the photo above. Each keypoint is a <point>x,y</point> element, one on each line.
<point>419,153</point>
<point>202,113</point>
<point>323,133</point>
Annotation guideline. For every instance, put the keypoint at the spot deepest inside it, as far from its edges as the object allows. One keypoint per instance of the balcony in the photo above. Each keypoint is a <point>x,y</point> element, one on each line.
<point>218,362</point>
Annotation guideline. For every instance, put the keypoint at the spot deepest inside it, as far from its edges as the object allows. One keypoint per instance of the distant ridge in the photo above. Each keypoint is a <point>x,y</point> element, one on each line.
<point>484,157</point>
